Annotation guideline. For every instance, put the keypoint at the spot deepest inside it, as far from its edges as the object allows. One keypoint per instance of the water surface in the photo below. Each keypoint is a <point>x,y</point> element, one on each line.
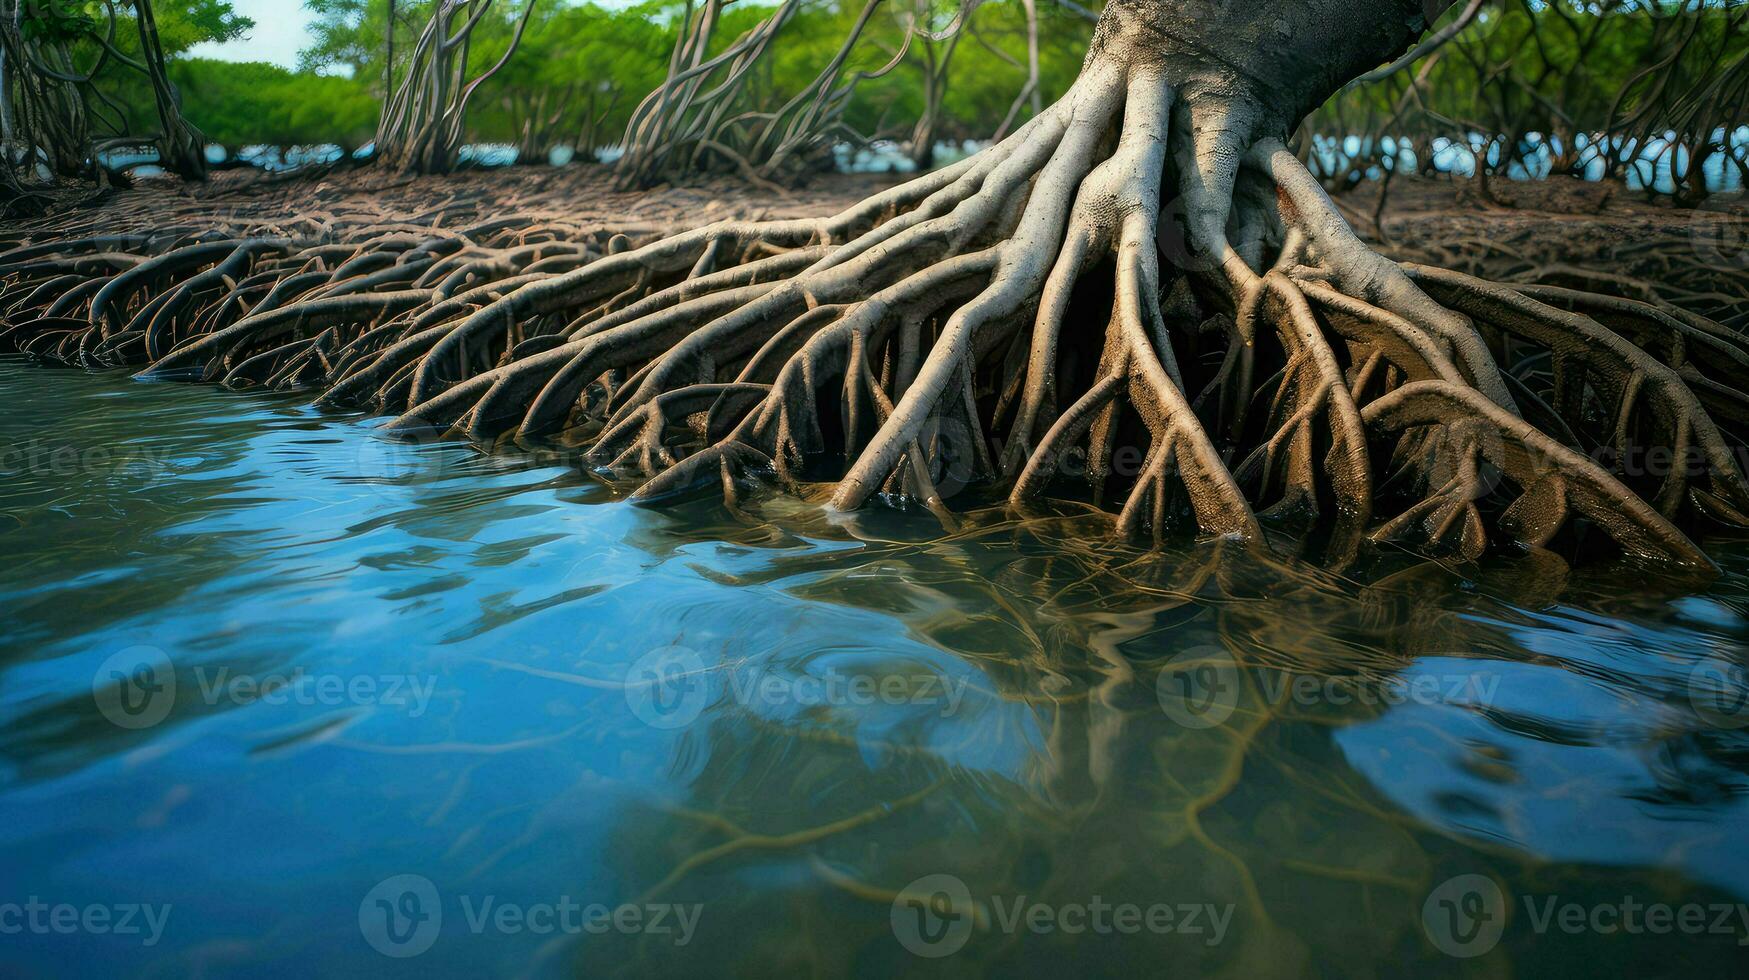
<point>305,692</point>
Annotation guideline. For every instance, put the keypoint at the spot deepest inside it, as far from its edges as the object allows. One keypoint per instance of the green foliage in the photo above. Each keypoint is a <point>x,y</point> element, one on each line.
<point>582,68</point>
<point>1554,67</point>
<point>575,80</point>
<point>579,73</point>
<point>183,24</point>
<point>242,104</point>
<point>1560,69</point>
<point>349,33</point>
<point>61,20</point>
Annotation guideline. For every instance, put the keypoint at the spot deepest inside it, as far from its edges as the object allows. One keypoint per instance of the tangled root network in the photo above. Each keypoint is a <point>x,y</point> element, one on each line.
<point>1133,274</point>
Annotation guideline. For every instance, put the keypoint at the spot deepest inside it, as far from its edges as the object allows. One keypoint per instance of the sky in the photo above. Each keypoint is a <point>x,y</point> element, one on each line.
<point>282,29</point>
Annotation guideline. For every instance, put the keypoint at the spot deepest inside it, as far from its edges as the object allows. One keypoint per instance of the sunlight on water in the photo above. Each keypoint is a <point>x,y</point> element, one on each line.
<point>332,704</point>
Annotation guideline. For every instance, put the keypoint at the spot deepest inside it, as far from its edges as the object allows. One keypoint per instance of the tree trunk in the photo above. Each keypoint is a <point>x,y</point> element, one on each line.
<point>181,147</point>
<point>389,53</point>
<point>1144,266</point>
<point>424,120</point>
<point>43,118</point>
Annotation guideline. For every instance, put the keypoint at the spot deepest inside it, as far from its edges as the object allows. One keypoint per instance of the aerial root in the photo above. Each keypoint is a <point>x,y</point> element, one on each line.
<point>1135,298</point>
<point>1640,392</point>
<point>1553,478</point>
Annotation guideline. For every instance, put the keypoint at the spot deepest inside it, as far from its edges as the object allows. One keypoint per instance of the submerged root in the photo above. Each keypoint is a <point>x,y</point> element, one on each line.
<point>1135,298</point>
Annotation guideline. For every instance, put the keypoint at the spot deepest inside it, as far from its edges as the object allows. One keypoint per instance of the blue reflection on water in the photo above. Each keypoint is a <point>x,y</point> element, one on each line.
<point>452,636</point>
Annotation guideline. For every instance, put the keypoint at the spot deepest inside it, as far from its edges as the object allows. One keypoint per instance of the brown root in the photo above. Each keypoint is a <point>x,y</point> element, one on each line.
<point>1270,380</point>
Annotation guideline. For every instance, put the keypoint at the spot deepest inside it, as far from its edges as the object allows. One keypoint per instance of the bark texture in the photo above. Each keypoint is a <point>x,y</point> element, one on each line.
<point>1143,269</point>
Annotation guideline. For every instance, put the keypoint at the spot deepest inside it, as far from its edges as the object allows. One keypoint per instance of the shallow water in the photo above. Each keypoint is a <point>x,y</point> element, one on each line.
<point>321,702</point>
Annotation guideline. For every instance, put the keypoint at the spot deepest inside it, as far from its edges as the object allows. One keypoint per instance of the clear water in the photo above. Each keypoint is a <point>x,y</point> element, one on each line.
<point>1652,166</point>
<point>799,742</point>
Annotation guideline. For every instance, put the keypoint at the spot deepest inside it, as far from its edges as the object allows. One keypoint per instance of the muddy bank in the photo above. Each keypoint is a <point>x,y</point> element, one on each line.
<point>1563,231</point>
<point>302,206</point>
<point>1597,236</point>
<point>1590,220</point>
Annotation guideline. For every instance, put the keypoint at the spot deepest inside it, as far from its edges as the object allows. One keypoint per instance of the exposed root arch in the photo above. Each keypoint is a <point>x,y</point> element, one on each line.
<point>1555,480</point>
